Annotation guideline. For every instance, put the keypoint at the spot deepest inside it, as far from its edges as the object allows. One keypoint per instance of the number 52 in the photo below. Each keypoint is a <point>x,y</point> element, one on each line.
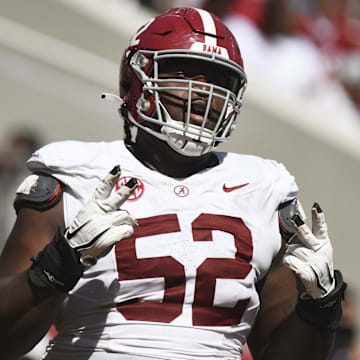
<point>204,313</point>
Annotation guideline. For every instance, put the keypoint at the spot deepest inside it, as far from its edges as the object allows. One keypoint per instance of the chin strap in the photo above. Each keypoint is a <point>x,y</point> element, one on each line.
<point>188,145</point>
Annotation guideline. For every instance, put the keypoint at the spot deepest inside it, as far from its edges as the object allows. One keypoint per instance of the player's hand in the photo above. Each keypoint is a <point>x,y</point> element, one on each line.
<point>310,255</point>
<point>101,223</point>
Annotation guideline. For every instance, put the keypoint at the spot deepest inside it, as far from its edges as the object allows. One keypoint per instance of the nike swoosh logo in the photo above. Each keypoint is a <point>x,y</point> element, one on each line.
<point>228,189</point>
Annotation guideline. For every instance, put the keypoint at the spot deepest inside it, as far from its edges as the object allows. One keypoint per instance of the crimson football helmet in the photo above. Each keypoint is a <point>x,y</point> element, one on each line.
<point>178,35</point>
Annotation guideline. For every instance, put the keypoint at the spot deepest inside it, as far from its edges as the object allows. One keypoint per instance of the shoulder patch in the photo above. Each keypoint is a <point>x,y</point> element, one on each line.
<point>38,191</point>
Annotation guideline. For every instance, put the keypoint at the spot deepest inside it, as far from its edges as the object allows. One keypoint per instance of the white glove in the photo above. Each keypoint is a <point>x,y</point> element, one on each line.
<point>310,254</point>
<point>101,223</point>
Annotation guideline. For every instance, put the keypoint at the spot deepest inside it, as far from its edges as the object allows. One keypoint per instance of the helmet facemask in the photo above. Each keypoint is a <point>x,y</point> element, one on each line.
<point>206,109</point>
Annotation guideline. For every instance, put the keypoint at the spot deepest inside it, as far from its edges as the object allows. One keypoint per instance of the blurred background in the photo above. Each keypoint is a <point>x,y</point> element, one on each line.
<point>302,105</point>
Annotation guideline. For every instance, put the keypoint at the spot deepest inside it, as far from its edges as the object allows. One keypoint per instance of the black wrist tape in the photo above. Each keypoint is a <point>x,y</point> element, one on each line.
<point>57,265</point>
<point>325,312</point>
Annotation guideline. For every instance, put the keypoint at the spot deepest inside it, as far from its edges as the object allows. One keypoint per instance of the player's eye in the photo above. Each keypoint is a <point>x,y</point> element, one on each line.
<point>172,75</point>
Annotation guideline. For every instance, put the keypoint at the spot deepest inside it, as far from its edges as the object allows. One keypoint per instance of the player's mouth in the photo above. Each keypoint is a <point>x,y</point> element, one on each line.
<point>178,108</point>
<point>197,115</point>
<point>196,119</point>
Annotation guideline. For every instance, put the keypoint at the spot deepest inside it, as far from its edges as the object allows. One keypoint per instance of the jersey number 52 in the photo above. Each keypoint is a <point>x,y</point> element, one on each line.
<point>204,313</point>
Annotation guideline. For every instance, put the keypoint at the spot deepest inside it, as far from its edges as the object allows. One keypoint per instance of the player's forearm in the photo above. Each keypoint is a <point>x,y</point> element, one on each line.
<point>26,313</point>
<point>18,296</point>
<point>295,339</point>
<point>25,333</point>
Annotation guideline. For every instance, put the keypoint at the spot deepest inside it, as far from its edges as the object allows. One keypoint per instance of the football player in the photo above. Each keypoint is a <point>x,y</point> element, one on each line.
<point>158,247</point>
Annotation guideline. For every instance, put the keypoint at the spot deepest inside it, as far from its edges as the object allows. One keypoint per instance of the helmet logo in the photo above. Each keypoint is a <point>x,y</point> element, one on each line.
<point>138,191</point>
<point>212,48</point>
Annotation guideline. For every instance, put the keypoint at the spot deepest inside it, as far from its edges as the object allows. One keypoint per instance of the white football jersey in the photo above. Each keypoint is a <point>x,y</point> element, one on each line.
<point>183,286</point>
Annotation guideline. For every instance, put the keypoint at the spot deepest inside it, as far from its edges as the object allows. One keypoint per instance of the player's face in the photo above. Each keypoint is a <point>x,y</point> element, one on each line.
<point>177,100</point>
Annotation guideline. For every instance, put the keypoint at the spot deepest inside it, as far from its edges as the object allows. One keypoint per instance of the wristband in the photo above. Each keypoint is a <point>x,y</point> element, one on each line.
<point>56,266</point>
<point>324,312</point>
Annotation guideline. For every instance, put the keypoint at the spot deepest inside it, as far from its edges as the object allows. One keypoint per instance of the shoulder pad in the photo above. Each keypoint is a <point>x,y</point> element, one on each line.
<point>286,212</point>
<point>39,192</point>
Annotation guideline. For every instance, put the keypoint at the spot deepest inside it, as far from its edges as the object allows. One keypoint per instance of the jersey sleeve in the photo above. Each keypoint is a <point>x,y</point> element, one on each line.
<point>65,157</point>
<point>71,162</point>
<point>79,166</point>
<point>281,188</point>
<point>284,186</point>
